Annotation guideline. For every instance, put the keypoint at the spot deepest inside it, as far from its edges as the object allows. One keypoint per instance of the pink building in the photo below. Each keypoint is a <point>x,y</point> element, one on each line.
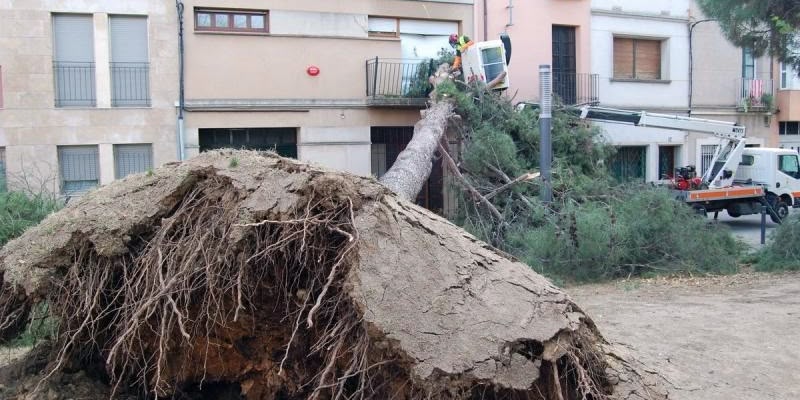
<point>555,32</point>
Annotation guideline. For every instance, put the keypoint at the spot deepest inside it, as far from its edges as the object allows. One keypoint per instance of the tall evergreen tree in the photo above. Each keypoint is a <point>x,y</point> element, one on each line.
<point>766,26</point>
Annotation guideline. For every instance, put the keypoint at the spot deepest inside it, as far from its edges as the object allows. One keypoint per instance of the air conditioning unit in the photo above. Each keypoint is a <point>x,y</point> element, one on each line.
<point>484,61</point>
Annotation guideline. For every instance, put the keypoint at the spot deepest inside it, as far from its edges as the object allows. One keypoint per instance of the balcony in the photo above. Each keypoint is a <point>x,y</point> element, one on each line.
<point>576,89</point>
<point>756,95</point>
<point>130,84</point>
<point>74,84</point>
<point>398,82</point>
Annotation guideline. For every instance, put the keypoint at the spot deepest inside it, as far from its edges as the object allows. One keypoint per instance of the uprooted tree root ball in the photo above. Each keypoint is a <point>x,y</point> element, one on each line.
<point>271,279</point>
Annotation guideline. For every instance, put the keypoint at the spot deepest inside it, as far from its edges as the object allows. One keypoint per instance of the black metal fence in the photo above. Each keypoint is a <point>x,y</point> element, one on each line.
<point>572,88</point>
<point>388,78</point>
<point>74,84</point>
<point>130,84</point>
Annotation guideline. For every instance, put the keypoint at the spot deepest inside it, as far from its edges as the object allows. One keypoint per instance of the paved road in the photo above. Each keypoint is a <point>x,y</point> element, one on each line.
<point>747,227</point>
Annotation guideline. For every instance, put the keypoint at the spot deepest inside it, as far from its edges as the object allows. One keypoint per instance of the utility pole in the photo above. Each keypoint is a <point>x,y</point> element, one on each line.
<point>545,120</point>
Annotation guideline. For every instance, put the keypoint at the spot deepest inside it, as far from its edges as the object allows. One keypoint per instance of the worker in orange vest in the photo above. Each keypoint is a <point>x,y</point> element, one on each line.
<point>461,44</point>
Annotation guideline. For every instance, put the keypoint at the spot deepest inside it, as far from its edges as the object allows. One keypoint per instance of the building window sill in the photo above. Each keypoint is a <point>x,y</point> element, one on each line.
<point>661,81</point>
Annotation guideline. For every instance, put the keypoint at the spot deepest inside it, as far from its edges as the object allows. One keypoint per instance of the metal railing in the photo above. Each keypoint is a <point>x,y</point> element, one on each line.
<point>573,88</point>
<point>398,81</point>
<point>756,95</point>
<point>74,84</point>
<point>130,84</point>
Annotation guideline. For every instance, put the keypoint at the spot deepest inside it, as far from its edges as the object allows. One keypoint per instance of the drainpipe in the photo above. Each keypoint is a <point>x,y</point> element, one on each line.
<point>485,20</point>
<point>181,83</point>
<point>691,61</point>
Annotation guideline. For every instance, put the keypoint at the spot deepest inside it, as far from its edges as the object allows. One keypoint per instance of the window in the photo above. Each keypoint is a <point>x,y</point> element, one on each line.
<point>132,159</point>
<point>281,140</point>
<point>2,169</point>
<point>231,20</point>
<point>79,169</point>
<point>630,163</point>
<point>748,160</point>
<point>73,60</point>
<point>384,27</point>
<point>748,64</point>
<point>789,128</point>
<point>638,59</point>
<point>707,152</point>
<point>130,80</point>
<point>790,79</point>
<point>789,165</point>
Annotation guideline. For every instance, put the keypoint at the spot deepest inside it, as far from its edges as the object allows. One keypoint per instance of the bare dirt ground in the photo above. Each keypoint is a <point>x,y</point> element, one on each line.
<point>734,337</point>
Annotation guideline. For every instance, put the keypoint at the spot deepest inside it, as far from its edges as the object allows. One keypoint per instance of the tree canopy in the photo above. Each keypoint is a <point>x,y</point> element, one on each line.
<point>766,26</point>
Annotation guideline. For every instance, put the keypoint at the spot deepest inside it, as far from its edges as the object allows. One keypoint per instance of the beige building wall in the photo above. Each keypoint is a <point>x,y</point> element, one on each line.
<point>31,126</point>
<point>529,24</point>
<point>261,80</point>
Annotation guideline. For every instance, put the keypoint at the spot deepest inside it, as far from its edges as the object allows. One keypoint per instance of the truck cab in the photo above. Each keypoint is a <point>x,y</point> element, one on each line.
<point>777,170</point>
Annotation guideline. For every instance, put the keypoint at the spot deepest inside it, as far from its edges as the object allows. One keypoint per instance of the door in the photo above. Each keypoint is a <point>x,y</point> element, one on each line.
<point>666,162</point>
<point>564,84</point>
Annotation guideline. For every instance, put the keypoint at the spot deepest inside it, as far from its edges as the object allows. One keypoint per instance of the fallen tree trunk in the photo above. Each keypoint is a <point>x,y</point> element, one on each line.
<point>268,278</point>
<point>413,165</point>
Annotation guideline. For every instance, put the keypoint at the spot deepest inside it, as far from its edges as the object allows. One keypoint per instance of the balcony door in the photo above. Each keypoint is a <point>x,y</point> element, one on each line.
<point>564,71</point>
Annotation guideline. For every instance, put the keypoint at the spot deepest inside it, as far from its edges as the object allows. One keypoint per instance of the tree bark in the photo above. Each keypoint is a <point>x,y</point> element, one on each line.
<point>413,165</point>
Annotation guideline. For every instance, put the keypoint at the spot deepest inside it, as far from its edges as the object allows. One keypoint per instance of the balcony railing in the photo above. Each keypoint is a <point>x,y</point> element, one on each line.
<point>398,82</point>
<point>130,84</point>
<point>756,95</point>
<point>74,84</point>
<point>573,89</point>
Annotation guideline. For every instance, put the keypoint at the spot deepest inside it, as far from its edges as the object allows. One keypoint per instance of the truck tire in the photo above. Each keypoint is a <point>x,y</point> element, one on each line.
<point>782,211</point>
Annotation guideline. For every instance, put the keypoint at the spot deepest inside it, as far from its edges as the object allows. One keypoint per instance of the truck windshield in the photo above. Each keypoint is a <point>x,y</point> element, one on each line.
<point>789,165</point>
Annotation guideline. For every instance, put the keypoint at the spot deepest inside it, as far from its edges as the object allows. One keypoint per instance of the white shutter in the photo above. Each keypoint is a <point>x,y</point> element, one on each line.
<point>73,38</point>
<point>432,28</point>
<point>384,25</point>
<point>128,39</point>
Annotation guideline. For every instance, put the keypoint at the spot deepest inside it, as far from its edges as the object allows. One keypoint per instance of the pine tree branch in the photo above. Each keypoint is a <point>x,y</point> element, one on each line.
<point>451,165</point>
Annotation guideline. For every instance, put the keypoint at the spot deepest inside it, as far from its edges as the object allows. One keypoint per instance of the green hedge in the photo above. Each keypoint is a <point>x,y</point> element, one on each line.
<point>19,211</point>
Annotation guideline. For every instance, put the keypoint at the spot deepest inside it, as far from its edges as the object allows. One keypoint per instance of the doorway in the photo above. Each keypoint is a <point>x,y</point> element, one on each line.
<point>387,143</point>
<point>564,64</point>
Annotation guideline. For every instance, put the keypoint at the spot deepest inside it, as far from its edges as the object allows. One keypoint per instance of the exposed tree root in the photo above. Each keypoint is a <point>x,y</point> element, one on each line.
<point>217,295</point>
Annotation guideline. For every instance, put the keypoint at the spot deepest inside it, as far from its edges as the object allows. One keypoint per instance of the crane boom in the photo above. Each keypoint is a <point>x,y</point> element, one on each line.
<point>726,158</point>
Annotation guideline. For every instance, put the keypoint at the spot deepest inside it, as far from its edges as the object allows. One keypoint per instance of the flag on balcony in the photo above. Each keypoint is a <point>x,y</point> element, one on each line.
<point>756,89</point>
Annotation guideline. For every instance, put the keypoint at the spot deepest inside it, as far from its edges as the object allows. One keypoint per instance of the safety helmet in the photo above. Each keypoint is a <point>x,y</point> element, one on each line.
<point>453,39</point>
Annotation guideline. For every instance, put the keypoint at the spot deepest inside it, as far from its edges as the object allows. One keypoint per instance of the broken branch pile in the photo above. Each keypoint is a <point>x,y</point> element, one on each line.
<point>276,280</point>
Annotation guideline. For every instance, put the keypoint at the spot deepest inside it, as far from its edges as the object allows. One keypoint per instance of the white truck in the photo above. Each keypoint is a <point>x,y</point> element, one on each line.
<point>740,179</point>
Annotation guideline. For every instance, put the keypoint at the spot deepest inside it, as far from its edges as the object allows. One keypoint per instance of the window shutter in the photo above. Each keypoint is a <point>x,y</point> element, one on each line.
<point>80,169</point>
<point>128,39</point>
<point>132,159</point>
<point>623,58</point>
<point>382,25</point>
<point>648,59</point>
<point>73,38</point>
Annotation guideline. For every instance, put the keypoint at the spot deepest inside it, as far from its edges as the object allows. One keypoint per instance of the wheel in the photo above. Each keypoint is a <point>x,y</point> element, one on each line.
<point>734,214</point>
<point>782,211</point>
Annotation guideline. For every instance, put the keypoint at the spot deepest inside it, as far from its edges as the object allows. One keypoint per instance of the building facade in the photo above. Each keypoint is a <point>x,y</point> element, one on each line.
<point>87,91</point>
<point>666,57</point>
<point>641,54</point>
<point>728,83</point>
<point>551,32</point>
<point>340,84</point>
<point>788,102</point>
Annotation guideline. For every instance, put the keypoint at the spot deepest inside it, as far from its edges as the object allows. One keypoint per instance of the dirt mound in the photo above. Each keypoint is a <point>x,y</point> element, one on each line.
<point>247,275</point>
